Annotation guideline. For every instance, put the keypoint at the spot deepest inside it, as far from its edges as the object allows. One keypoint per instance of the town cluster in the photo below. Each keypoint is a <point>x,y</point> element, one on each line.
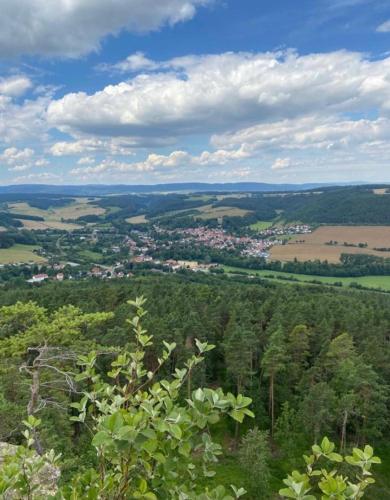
<point>220,239</point>
<point>142,247</point>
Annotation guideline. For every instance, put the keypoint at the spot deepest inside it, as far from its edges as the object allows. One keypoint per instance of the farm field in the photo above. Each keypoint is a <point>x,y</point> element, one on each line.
<point>313,246</point>
<point>210,212</point>
<point>90,255</point>
<point>137,219</point>
<point>35,225</point>
<point>54,217</point>
<point>20,253</point>
<point>261,225</point>
<point>80,208</point>
<point>382,282</point>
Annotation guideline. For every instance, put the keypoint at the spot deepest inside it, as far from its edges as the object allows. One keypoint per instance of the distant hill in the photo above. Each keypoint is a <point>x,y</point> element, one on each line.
<point>101,189</point>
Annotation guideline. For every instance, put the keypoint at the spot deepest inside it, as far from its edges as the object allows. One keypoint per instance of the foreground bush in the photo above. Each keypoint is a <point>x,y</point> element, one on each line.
<point>323,474</point>
<point>150,442</point>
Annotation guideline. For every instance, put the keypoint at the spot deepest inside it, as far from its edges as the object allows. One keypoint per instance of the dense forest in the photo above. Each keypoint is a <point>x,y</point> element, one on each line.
<point>313,361</point>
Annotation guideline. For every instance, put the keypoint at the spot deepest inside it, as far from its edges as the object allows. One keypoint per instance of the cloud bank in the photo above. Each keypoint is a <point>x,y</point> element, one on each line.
<point>72,28</point>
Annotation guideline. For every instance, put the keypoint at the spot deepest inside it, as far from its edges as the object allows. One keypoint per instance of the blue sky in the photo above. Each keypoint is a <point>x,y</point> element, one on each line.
<point>147,91</point>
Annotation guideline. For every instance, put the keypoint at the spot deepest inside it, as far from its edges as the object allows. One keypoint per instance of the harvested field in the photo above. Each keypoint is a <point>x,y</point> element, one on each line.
<point>78,209</point>
<point>233,195</point>
<point>210,212</point>
<point>54,217</point>
<point>36,225</point>
<point>313,246</point>
<point>25,209</point>
<point>137,219</point>
<point>381,191</point>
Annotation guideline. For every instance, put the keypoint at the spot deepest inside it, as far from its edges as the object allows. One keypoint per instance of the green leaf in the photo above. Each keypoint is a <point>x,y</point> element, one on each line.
<point>101,439</point>
<point>175,431</point>
<point>150,446</point>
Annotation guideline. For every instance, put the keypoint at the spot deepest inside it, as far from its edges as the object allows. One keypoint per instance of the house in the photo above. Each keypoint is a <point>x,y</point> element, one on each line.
<point>38,278</point>
<point>97,272</point>
<point>173,264</point>
<point>60,277</point>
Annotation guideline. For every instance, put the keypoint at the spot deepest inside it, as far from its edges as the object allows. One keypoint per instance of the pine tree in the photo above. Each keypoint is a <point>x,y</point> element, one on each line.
<point>273,363</point>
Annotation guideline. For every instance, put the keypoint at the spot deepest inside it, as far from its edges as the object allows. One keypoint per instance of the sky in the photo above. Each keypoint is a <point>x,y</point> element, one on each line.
<point>162,91</point>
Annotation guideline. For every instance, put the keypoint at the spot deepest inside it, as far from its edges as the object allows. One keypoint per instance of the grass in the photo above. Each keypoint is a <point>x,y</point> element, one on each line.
<point>210,212</point>
<point>375,282</point>
<point>90,255</point>
<point>381,489</point>
<point>35,225</point>
<point>80,208</point>
<point>20,253</point>
<point>261,225</point>
<point>137,219</point>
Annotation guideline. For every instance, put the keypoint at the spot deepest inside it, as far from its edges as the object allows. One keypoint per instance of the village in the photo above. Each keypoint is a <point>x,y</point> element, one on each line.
<point>139,250</point>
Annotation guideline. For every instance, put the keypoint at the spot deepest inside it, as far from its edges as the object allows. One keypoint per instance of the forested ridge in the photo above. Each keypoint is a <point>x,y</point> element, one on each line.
<point>314,362</point>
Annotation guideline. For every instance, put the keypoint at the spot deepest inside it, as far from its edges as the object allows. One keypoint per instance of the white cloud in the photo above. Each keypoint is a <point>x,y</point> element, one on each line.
<point>41,162</point>
<point>132,64</point>
<point>310,132</point>
<point>158,162</point>
<point>86,160</point>
<point>384,27</point>
<point>211,94</point>
<point>23,121</point>
<point>20,160</point>
<point>13,155</point>
<point>281,164</point>
<point>152,162</point>
<point>14,86</point>
<point>113,146</point>
<point>75,27</point>
<point>37,178</point>
<point>65,148</point>
<point>20,168</point>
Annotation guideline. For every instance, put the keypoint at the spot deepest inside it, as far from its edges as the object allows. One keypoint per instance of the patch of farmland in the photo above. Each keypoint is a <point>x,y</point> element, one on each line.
<point>316,245</point>
<point>374,236</point>
<point>25,209</point>
<point>54,217</point>
<point>381,191</point>
<point>137,219</point>
<point>233,195</point>
<point>210,212</point>
<point>20,254</point>
<point>261,225</point>
<point>35,225</point>
<point>80,208</point>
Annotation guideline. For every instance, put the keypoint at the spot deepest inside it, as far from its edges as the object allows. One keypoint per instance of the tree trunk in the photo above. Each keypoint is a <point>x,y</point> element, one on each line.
<point>272,403</point>
<point>33,403</point>
<point>344,431</point>
<point>189,385</point>
<point>237,425</point>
